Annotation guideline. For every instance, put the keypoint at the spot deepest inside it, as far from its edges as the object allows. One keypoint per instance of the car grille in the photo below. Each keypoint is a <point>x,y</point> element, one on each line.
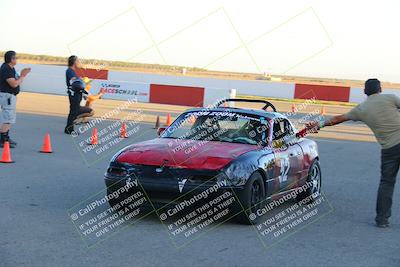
<point>156,172</point>
<point>170,173</point>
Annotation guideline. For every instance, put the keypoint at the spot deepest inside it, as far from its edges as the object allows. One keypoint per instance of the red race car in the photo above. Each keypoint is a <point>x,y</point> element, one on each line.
<point>256,153</point>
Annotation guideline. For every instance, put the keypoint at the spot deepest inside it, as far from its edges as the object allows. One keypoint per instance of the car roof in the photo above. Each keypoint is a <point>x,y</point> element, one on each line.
<point>255,112</point>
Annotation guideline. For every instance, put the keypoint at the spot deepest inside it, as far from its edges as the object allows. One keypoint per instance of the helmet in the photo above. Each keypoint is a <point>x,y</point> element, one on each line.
<point>78,85</point>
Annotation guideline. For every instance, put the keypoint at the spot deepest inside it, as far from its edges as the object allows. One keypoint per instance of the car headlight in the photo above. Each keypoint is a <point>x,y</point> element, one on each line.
<point>237,173</point>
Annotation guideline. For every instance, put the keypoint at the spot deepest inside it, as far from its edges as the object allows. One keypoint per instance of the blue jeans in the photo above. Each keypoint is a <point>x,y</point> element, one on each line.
<point>390,162</point>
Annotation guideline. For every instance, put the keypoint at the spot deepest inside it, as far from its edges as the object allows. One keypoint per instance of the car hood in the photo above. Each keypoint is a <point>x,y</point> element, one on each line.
<point>183,153</point>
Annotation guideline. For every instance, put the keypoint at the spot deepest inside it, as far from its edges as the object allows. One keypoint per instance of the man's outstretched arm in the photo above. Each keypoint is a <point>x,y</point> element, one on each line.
<point>336,120</point>
<point>316,125</point>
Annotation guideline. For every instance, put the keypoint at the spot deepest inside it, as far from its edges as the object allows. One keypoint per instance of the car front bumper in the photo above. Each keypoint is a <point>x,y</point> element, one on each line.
<point>171,185</point>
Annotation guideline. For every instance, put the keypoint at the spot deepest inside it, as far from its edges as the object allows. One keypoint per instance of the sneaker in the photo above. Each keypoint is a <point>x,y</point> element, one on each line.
<point>5,138</point>
<point>12,142</point>
<point>85,120</point>
<point>382,224</point>
<point>12,145</point>
<point>69,130</point>
<point>78,121</point>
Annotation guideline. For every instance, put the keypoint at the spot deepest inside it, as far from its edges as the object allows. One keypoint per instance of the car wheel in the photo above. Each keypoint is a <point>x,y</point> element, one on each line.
<point>314,178</point>
<point>251,199</point>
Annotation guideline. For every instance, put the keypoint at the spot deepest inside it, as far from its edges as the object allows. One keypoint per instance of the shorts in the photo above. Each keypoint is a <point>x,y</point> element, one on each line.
<point>8,104</point>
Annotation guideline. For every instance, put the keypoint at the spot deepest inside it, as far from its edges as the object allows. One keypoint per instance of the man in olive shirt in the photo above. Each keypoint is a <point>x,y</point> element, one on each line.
<point>380,112</point>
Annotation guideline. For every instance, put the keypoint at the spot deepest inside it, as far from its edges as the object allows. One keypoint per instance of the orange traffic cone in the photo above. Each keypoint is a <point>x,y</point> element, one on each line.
<point>93,139</point>
<point>157,122</point>
<point>46,144</point>
<point>169,120</point>
<point>293,108</point>
<point>323,111</point>
<point>6,156</point>
<point>123,130</point>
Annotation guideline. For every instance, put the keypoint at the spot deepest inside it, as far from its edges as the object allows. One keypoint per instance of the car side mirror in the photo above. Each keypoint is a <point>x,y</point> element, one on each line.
<point>160,130</point>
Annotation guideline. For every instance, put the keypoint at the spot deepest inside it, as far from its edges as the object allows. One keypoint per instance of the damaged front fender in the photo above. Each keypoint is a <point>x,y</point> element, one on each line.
<point>240,169</point>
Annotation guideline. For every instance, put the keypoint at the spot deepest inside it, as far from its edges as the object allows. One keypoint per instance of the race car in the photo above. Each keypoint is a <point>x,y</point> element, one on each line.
<point>257,153</point>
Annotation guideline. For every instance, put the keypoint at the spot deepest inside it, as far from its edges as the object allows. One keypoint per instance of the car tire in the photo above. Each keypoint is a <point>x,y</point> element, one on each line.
<point>315,178</point>
<point>250,198</point>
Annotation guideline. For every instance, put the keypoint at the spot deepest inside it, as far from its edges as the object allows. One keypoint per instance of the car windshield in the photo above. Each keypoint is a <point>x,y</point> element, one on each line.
<point>221,126</point>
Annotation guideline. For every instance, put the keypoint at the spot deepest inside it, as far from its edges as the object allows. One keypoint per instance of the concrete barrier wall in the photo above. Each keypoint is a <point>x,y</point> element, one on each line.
<point>177,95</point>
<point>357,94</point>
<point>50,79</point>
<point>189,91</point>
<point>322,92</point>
<point>44,79</point>
<point>212,95</point>
<point>243,87</point>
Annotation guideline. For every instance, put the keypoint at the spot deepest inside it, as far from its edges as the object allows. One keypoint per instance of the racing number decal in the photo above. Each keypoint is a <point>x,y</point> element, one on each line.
<point>285,166</point>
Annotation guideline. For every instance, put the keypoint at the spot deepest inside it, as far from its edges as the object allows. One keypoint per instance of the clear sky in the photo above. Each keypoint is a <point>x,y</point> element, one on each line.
<point>338,39</point>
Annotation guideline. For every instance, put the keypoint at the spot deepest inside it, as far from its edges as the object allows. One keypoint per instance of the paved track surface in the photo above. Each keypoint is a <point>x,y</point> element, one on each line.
<point>38,189</point>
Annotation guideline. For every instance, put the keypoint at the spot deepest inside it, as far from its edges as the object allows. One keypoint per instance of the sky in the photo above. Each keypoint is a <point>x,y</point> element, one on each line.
<point>319,38</point>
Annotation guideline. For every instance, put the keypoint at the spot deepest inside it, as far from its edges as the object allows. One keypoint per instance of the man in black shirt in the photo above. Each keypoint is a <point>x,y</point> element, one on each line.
<point>9,88</point>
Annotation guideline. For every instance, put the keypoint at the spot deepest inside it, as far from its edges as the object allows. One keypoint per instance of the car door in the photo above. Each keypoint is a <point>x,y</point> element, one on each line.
<point>296,155</point>
<point>288,155</point>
